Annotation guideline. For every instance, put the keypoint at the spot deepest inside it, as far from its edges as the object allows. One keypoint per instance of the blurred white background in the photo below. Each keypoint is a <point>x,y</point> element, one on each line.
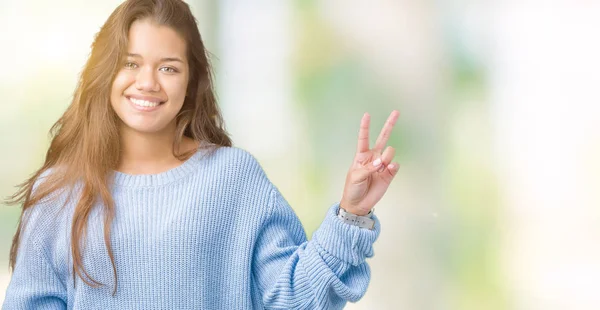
<point>497,202</point>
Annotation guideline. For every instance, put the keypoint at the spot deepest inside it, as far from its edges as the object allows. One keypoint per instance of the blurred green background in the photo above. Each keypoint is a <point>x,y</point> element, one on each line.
<point>496,202</point>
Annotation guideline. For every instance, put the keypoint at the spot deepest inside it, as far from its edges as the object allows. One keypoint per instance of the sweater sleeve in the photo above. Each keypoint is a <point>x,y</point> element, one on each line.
<point>34,283</point>
<point>323,273</point>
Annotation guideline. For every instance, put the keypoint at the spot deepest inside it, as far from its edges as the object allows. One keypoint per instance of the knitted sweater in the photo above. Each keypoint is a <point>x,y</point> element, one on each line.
<point>212,233</point>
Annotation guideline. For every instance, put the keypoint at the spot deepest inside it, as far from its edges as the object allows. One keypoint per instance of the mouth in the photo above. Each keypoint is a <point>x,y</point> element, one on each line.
<point>144,105</point>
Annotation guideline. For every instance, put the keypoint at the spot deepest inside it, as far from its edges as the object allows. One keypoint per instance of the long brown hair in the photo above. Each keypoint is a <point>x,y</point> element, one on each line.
<point>85,140</point>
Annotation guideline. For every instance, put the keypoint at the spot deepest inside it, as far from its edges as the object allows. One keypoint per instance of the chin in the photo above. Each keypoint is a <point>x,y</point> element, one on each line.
<point>143,128</point>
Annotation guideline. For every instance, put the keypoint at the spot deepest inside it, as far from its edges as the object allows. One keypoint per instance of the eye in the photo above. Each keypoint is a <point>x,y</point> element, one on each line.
<point>168,69</point>
<point>130,65</point>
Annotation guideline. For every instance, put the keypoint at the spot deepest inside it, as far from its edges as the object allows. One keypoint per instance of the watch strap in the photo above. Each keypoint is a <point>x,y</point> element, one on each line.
<point>357,220</point>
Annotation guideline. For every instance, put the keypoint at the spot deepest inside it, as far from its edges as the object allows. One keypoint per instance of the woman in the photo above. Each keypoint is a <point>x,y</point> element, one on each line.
<point>143,202</point>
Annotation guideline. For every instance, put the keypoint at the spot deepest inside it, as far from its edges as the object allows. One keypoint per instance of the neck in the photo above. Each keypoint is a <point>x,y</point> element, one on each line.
<point>143,153</point>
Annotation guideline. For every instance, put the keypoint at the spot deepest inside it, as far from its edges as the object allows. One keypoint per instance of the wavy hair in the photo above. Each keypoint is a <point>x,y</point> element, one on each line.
<point>85,142</point>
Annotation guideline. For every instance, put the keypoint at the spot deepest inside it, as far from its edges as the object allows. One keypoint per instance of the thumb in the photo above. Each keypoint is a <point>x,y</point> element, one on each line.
<point>364,172</point>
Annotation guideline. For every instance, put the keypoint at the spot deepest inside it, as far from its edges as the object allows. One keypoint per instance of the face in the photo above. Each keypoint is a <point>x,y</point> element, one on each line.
<point>151,85</point>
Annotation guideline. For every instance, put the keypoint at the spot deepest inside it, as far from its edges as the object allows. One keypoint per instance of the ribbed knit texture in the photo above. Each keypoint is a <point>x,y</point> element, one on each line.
<point>212,233</point>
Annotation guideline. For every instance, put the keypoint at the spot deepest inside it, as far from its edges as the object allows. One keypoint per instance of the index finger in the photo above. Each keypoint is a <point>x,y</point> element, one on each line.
<point>363,134</point>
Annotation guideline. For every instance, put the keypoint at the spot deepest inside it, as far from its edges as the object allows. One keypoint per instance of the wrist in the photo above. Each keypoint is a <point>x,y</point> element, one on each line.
<point>355,211</point>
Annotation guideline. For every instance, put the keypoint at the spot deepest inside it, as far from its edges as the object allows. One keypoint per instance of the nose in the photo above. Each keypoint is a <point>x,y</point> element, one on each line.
<point>146,81</point>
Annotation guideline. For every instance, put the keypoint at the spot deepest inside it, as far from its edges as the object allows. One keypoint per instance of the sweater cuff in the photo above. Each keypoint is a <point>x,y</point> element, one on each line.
<point>349,243</point>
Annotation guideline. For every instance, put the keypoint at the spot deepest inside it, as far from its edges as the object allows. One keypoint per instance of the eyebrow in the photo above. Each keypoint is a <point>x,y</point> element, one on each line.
<point>162,59</point>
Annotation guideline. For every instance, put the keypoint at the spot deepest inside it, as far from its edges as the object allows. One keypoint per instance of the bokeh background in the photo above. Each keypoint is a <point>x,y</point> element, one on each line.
<point>497,202</point>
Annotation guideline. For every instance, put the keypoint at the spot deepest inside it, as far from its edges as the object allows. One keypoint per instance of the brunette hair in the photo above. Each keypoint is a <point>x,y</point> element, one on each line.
<point>85,140</point>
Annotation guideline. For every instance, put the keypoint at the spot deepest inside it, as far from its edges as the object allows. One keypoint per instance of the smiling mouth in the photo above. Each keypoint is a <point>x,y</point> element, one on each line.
<point>145,103</point>
<point>145,106</point>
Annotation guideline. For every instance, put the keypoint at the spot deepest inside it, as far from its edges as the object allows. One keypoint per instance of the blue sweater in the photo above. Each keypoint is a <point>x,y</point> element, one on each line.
<point>212,233</point>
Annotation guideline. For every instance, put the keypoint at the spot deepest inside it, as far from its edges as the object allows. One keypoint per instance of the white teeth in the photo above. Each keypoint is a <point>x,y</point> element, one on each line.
<point>144,103</point>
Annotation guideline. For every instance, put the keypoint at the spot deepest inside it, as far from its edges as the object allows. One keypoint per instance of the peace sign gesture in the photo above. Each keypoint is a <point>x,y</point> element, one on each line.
<point>371,172</point>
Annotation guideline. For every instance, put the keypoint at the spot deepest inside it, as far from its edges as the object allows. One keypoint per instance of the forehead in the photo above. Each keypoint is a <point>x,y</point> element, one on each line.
<point>151,40</point>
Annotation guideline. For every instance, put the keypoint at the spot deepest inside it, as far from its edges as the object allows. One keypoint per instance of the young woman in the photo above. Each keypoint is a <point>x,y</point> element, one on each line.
<point>143,203</point>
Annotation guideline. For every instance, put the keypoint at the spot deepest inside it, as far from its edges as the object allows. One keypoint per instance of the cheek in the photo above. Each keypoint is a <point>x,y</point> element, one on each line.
<point>176,90</point>
<point>120,84</point>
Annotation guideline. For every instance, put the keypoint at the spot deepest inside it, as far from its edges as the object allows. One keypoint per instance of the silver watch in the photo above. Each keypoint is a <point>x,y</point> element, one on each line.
<point>364,221</point>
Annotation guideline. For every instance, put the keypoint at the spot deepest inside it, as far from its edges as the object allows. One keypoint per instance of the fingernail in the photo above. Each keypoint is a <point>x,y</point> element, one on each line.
<point>377,162</point>
<point>391,166</point>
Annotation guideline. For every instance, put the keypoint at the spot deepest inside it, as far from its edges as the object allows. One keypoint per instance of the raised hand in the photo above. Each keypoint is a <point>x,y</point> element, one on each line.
<point>371,172</point>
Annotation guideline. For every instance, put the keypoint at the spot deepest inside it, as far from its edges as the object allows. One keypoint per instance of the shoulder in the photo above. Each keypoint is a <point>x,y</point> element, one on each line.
<point>41,224</point>
<point>235,153</point>
<point>240,160</point>
<point>46,212</point>
<point>240,167</point>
